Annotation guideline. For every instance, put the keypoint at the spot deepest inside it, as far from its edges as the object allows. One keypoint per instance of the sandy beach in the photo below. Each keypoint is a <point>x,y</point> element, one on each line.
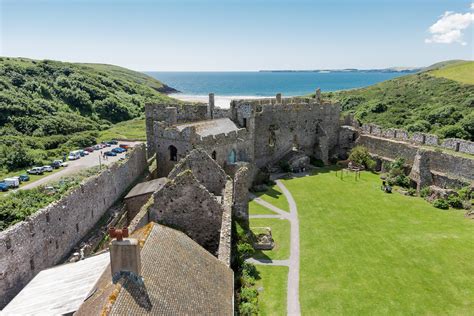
<point>220,101</point>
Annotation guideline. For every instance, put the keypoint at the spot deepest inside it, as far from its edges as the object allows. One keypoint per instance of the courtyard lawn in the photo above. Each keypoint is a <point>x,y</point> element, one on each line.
<point>281,235</point>
<point>257,209</point>
<point>274,196</point>
<point>365,252</point>
<point>272,289</point>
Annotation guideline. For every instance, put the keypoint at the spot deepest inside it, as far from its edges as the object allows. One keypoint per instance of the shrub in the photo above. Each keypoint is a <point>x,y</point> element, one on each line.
<point>245,249</point>
<point>425,192</point>
<point>248,309</point>
<point>411,192</point>
<point>441,203</point>
<point>360,155</point>
<point>465,193</point>
<point>455,201</point>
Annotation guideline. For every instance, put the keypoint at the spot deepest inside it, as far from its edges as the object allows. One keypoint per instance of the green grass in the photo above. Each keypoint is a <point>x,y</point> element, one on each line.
<point>272,290</point>
<point>281,235</point>
<point>462,72</point>
<point>257,209</point>
<point>133,129</point>
<point>274,196</point>
<point>365,252</point>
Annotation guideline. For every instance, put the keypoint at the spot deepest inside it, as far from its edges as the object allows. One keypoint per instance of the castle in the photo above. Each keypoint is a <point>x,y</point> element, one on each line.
<point>207,159</point>
<point>261,132</point>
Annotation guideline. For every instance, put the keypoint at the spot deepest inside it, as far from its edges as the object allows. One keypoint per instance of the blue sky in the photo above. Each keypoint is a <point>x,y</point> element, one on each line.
<point>238,35</point>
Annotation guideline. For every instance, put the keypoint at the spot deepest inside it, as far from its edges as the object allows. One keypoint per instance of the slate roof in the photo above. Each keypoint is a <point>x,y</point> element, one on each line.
<point>59,290</point>
<point>146,187</point>
<point>211,127</point>
<point>180,277</point>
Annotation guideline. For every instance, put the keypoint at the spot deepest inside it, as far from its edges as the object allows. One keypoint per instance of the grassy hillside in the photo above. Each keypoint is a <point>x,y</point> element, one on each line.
<point>48,107</point>
<point>439,100</point>
<point>462,72</point>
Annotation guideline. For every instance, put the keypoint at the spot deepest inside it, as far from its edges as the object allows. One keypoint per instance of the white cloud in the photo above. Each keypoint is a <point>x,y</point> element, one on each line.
<point>449,27</point>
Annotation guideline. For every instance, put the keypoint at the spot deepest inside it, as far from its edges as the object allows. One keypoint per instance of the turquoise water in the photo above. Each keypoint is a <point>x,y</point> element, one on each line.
<point>267,83</point>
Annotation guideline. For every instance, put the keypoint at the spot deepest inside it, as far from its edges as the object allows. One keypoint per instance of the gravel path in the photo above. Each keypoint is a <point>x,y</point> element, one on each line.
<point>293,301</point>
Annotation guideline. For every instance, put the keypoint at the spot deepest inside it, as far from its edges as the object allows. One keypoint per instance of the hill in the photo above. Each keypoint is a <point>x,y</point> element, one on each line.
<point>48,107</point>
<point>438,100</point>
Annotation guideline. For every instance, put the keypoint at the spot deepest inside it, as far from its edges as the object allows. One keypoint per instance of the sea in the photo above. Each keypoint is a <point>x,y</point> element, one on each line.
<point>195,86</point>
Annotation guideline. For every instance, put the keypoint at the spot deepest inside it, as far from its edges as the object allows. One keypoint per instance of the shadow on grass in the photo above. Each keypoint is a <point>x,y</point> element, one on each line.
<point>270,192</point>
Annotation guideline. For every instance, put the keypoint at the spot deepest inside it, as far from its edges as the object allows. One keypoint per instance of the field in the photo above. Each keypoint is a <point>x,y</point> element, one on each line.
<point>281,235</point>
<point>271,299</point>
<point>367,252</point>
<point>274,196</point>
<point>132,130</point>
<point>462,72</point>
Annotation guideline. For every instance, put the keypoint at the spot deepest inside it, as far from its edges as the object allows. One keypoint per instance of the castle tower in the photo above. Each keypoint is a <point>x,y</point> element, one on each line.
<point>211,105</point>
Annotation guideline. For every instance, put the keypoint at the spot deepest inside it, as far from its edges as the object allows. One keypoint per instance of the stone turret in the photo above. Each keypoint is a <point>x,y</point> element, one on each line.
<point>318,95</point>
<point>211,105</point>
<point>278,98</point>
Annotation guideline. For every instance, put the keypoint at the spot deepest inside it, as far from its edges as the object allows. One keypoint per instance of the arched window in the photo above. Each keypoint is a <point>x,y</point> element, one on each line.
<point>173,153</point>
<point>214,155</point>
<point>232,157</point>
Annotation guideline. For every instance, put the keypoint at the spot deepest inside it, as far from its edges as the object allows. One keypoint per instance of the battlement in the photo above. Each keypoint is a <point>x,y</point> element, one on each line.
<point>185,112</point>
<point>458,145</point>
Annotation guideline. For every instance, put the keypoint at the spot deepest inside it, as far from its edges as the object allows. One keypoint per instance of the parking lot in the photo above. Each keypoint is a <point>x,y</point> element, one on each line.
<point>94,158</point>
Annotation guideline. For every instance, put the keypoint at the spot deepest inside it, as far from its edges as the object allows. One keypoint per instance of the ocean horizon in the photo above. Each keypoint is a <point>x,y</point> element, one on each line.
<point>266,84</point>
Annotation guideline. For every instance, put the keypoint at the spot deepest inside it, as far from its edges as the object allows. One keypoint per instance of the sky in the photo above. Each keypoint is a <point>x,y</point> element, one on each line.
<point>244,35</point>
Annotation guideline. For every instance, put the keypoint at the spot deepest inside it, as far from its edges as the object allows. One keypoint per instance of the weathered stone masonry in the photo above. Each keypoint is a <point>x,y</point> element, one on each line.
<point>47,236</point>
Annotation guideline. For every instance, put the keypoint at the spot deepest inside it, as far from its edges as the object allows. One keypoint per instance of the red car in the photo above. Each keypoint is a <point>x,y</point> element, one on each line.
<point>89,149</point>
<point>124,146</point>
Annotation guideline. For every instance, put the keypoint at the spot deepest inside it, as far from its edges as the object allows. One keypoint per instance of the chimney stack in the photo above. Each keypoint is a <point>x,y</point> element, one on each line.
<point>124,253</point>
<point>211,105</point>
<point>278,98</point>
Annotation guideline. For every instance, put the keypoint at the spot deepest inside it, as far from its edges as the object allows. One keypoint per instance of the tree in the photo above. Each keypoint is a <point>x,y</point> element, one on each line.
<point>360,156</point>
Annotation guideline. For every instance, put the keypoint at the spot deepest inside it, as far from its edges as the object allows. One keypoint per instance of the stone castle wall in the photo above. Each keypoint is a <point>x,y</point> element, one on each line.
<point>49,235</point>
<point>187,139</point>
<point>450,169</point>
<point>417,138</point>
<point>278,125</point>
<point>184,113</point>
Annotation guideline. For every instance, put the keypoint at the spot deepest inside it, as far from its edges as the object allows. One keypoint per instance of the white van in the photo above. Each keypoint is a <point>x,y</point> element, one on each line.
<point>12,182</point>
<point>73,155</point>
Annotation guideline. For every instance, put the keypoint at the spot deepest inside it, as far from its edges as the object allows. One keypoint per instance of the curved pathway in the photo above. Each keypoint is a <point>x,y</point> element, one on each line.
<point>293,263</point>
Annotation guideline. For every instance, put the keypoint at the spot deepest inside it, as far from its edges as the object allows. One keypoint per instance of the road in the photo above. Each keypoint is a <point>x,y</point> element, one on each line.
<point>91,160</point>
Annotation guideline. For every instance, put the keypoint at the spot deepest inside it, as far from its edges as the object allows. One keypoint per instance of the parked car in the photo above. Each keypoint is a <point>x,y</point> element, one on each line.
<point>118,150</point>
<point>24,177</point>
<point>3,187</point>
<point>89,149</point>
<point>110,153</point>
<point>106,144</point>
<point>47,168</point>
<point>86,153</point>
<point>96,147</point>
<point>73,155</point>
<point>113,142</point>
<point>35,170</point>
<point>124,146</point>
<point>12,182</point>
<point>56,164</point>
<point>18,178</point>
<point>64,164</point>
<point>81,152</point>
